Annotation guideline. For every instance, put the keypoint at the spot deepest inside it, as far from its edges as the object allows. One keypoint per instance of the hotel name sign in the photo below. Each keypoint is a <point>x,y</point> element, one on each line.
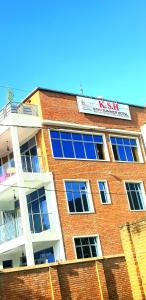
<point>103,108</point>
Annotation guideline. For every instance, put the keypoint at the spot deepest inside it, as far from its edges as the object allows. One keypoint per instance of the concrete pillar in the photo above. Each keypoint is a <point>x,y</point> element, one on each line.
<point>22,197</point>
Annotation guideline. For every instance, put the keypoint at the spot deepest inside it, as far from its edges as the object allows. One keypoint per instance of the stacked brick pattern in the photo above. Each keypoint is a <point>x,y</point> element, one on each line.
<point>90,279</point>
<point>134,245</point>
<point>107,218</point>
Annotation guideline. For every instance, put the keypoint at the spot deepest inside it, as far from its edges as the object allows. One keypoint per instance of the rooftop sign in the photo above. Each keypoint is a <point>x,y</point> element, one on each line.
<point>103,108</point>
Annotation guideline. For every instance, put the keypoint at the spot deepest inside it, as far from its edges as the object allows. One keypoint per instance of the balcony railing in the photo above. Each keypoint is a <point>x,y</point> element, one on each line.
<point>7,170</point>
<point>16,108</point>
<point>31,164</point>
<point>10,230</point>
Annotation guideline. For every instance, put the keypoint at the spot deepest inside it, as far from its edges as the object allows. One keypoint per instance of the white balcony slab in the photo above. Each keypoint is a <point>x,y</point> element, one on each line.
<point>31,180</point>
<point>47,235</point>
<point>12,244</point>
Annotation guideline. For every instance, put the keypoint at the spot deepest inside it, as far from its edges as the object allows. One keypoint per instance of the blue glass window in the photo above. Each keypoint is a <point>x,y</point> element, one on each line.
<point>77,196</point>
<point>124,149</point>
<point>68,149</point>
<point>105,197</point>
<point>43,256</point>
<point>38,212</point>
<point>79,150</point>
<point>90,151</point>
<point>57,150</point>
<point>77,146</point>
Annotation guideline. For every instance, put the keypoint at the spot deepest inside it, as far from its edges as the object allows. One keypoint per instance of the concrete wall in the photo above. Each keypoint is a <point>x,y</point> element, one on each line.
<point>134,244</point>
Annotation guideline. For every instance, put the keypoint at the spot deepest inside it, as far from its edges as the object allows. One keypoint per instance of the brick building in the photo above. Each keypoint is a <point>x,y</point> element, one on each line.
<point>72,171</point>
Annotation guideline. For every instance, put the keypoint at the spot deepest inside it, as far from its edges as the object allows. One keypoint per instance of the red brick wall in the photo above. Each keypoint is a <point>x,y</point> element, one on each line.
<point>33,284</point>
<point>117,279</point>
<point>107,218</point>
<point>104,279</point>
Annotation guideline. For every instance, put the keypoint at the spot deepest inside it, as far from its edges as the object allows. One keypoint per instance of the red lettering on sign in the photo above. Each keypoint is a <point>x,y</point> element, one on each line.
<point>109,105</point>
<point>115,106</point>
<point>101,104</point>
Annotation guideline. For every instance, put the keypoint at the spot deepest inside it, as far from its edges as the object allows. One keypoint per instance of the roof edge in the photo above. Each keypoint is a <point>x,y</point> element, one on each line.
<point>75,94</point>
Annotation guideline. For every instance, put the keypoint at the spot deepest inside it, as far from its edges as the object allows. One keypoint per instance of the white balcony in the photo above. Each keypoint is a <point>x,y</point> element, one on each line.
<point>18,108</point>
<point>10,230</point>
<point>30,164</point>
<point>42,227</point>
<point>24,117</point>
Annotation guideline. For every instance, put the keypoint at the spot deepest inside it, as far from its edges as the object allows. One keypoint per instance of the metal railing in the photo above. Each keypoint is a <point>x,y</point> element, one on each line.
<point>7,170</point>
<point>10,230</point>
<point>18,108</point>
<point>31,164</point>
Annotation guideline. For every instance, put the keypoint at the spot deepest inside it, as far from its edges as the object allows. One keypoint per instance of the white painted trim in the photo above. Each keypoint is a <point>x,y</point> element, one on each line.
<point>87,236</point>
<point>107,191</point>
<point>90,127</point>
<point>143,192</point>
<point>91,206</point>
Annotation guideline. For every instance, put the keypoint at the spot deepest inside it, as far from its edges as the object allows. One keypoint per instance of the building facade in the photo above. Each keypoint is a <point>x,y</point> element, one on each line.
<point>72,171</point>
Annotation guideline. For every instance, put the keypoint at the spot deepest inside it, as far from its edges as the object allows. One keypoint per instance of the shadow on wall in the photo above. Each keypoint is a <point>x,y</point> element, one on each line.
<point>79,282</point>
<point>117,284</point>
<point>25,285</point>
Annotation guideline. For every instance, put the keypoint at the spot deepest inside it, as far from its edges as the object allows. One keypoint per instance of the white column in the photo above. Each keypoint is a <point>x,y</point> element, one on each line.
<point>54,218</point>
<point>22,197</point>
<point>1,264</point>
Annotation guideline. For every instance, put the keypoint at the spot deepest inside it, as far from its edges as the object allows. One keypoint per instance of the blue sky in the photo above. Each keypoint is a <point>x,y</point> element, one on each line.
<point>60,44</point>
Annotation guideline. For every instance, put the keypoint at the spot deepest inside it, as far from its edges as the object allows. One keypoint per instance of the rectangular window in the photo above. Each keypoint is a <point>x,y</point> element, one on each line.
<point>7,264</point>
<point>77,146</point>
<point>125,149</point>
<point>38,212</point>
<point>104,192</point>
<point>136,195</point>
<point>78,196</point>
<point>87,247</point>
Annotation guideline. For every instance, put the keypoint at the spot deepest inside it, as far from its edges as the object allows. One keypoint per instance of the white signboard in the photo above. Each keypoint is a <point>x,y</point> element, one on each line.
<point>103,108</point>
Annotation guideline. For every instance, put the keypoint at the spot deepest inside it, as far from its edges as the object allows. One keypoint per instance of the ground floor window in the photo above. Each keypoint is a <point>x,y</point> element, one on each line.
<point>87,246</point>
<point>44,256</point>
<point>7,264</point>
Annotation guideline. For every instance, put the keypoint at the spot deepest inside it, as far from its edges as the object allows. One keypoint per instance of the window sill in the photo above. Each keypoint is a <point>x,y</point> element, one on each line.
<point>106,203</point>
<point>82,159</point>
<point>81,213</point>
<point>138,210</point>
<point>128,162</point>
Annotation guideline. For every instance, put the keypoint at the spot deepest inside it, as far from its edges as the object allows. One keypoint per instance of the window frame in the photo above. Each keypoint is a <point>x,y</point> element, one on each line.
<point>107,192</point>
<point>140,156</point>
<point>143,193</point>
<point>88,236</point>
<point>92,210</point>
<point>40,213</point>
<point>105,147</point>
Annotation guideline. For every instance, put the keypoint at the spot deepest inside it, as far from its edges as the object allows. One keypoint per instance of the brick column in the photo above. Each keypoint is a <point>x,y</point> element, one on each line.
<point>55,285</point>
<point>101,280</point>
